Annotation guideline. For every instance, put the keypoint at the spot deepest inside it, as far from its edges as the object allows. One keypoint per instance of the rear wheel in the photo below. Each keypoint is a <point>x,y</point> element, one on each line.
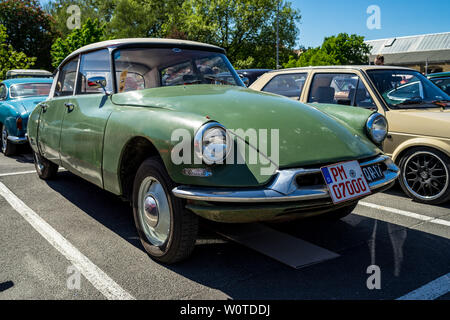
<point>8,148</point>
<point>425,175</point>
<point>166,229</point>
<point>45,169</point>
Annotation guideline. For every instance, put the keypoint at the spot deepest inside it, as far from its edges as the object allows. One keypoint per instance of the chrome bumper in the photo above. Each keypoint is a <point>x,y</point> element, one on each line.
<point>18,140</point>
<point>283,189</point>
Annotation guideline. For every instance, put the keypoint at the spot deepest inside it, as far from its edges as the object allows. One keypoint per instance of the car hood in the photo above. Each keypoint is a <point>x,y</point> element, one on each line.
<point>430,122</point>
<point>27,105</point>
<point>306,135</point>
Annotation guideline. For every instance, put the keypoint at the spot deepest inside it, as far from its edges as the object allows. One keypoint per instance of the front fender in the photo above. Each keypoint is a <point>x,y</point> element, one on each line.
<point>440,144</point>
<point>157,125</point>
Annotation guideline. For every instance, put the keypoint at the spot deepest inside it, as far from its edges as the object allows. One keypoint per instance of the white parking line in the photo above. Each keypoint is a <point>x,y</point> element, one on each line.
<point>99,279</point>
<point>406,213</point>
<point>431,290</point>
<point>16,173</point>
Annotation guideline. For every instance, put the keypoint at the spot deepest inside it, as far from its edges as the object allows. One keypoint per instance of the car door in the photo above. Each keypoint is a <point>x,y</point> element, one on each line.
<point>52,112</point>
<point>85,119</point>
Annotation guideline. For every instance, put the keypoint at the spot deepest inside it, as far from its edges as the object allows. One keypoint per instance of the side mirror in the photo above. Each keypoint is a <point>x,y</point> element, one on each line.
<point>97,82</point>
<point>246,81</point>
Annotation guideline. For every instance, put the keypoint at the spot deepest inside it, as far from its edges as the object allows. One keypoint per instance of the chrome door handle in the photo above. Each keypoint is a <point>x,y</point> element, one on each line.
<point>44,107</point>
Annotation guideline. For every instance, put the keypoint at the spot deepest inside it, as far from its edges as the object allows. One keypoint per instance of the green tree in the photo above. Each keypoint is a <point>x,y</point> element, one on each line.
<point>10,58</point>
<point>245,28</point>
<point>29,29</point>
<point>102,10</point>
<point>342,49</point>
<point>90,32</point>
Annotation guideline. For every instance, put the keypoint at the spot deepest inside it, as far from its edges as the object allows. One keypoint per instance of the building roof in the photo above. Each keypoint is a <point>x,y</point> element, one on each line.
<point>156,42</point>
<point>413,49</point>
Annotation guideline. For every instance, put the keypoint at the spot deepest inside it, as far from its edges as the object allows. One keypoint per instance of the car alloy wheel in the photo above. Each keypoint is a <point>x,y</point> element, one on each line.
<point>8,148</point>
<point>45,169</point>
<point>154,211</point>
<point>4,138</point>
<point>425,175</point>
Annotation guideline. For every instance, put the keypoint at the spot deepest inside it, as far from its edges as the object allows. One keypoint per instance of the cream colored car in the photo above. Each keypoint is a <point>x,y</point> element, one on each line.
<point>418,113</point>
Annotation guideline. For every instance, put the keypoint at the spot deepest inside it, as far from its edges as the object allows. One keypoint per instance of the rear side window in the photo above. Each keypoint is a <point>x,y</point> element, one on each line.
<point>340,88</point>
<point>94,64</point>
<point>288,85</point>
<point>66,80</point>
<point>444,84</point>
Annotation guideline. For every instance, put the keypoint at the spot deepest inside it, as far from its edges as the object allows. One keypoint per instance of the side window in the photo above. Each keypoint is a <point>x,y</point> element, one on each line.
<point>2,92</point>
<point>289,85</point>
<point>339,88</point>
<point>94,64</point>
<point>66,79</point>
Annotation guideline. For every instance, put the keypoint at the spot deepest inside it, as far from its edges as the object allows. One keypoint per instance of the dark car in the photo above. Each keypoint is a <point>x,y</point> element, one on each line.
<point>251,74</point>
<point>442,80</point>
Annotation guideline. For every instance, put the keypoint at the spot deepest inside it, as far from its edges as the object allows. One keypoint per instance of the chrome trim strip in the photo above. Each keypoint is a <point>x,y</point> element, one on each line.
<point>282,189</point>
<point>17,140</point>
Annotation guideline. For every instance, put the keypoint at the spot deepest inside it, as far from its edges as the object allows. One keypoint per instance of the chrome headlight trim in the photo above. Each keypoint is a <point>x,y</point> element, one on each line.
<point>377,135</point>
<point>200,146</point>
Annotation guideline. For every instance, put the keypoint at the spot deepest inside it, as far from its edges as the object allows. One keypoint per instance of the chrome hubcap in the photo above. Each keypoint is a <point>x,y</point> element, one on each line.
<point>154,211</point>
<point>425,175</point>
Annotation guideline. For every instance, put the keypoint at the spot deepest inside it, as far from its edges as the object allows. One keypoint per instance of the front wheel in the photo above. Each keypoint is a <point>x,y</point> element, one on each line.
<point>425,175</point>
<point>8,148</point>
<point>45,169</point>
<point>166,229</point>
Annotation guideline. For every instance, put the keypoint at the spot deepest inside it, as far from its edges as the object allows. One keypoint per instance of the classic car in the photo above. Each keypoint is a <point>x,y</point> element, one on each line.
<point>417,112</point>
<point>28,73</point>
<point>442,80</point>
<point>177,142</point>
<point>18,97</point>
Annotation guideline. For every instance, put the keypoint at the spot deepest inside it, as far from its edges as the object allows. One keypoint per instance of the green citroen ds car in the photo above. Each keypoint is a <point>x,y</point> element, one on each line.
<point>169,126</point>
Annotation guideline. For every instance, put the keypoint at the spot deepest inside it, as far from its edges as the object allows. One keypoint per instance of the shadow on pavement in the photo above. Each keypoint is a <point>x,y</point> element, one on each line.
<point>407,258</point>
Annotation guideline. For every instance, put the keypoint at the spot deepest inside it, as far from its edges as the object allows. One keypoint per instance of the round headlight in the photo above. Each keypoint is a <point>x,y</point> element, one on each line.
<point>211,143</point>
<point>377,127</point>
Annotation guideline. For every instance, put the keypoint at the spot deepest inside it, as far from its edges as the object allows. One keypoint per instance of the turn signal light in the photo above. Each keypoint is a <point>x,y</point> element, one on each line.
<point>19,123</point>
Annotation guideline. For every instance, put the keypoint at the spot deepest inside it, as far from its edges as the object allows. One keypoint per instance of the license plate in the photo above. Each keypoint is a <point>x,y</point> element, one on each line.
<point>345,181</point>
<point>373,173</point>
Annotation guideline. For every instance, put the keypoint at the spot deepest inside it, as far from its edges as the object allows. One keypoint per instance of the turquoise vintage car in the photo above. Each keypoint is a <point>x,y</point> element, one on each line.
<point>155,122</point>
<point>18,97</point>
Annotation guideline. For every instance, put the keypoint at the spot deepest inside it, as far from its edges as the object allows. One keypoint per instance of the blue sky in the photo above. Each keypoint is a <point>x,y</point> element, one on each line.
<point>321,18</point>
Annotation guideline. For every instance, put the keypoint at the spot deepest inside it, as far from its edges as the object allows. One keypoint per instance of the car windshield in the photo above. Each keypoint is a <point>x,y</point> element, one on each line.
<point>29,90</point>
<point>407,88</point>
<point>141,68</point>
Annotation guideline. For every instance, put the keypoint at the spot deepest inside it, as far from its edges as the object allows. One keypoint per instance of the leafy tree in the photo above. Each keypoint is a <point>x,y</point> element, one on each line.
<point>10,58</point>
<point>102,10</point>
<point>342,49</point>
<point>245,28</point>
<point>29,29</point>
<point>90,32</point>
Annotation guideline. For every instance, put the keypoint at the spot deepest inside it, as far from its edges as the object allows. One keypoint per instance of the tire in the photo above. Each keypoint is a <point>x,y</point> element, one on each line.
<point>339,213</point>
<point>45,169</point>
<point>425,175</point>
<point>8,148</point>
<point>166,230</point>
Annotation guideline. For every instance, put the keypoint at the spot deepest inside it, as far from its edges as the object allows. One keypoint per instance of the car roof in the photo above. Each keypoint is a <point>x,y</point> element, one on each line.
<point>253,70</point>
<point>10,82</point>
<point>156,42</point>
<point>347,67</point>
<point>440,74</point>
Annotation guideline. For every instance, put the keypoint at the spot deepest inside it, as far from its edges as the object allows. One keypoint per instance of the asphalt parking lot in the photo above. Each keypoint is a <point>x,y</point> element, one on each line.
<point>410,243</point>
